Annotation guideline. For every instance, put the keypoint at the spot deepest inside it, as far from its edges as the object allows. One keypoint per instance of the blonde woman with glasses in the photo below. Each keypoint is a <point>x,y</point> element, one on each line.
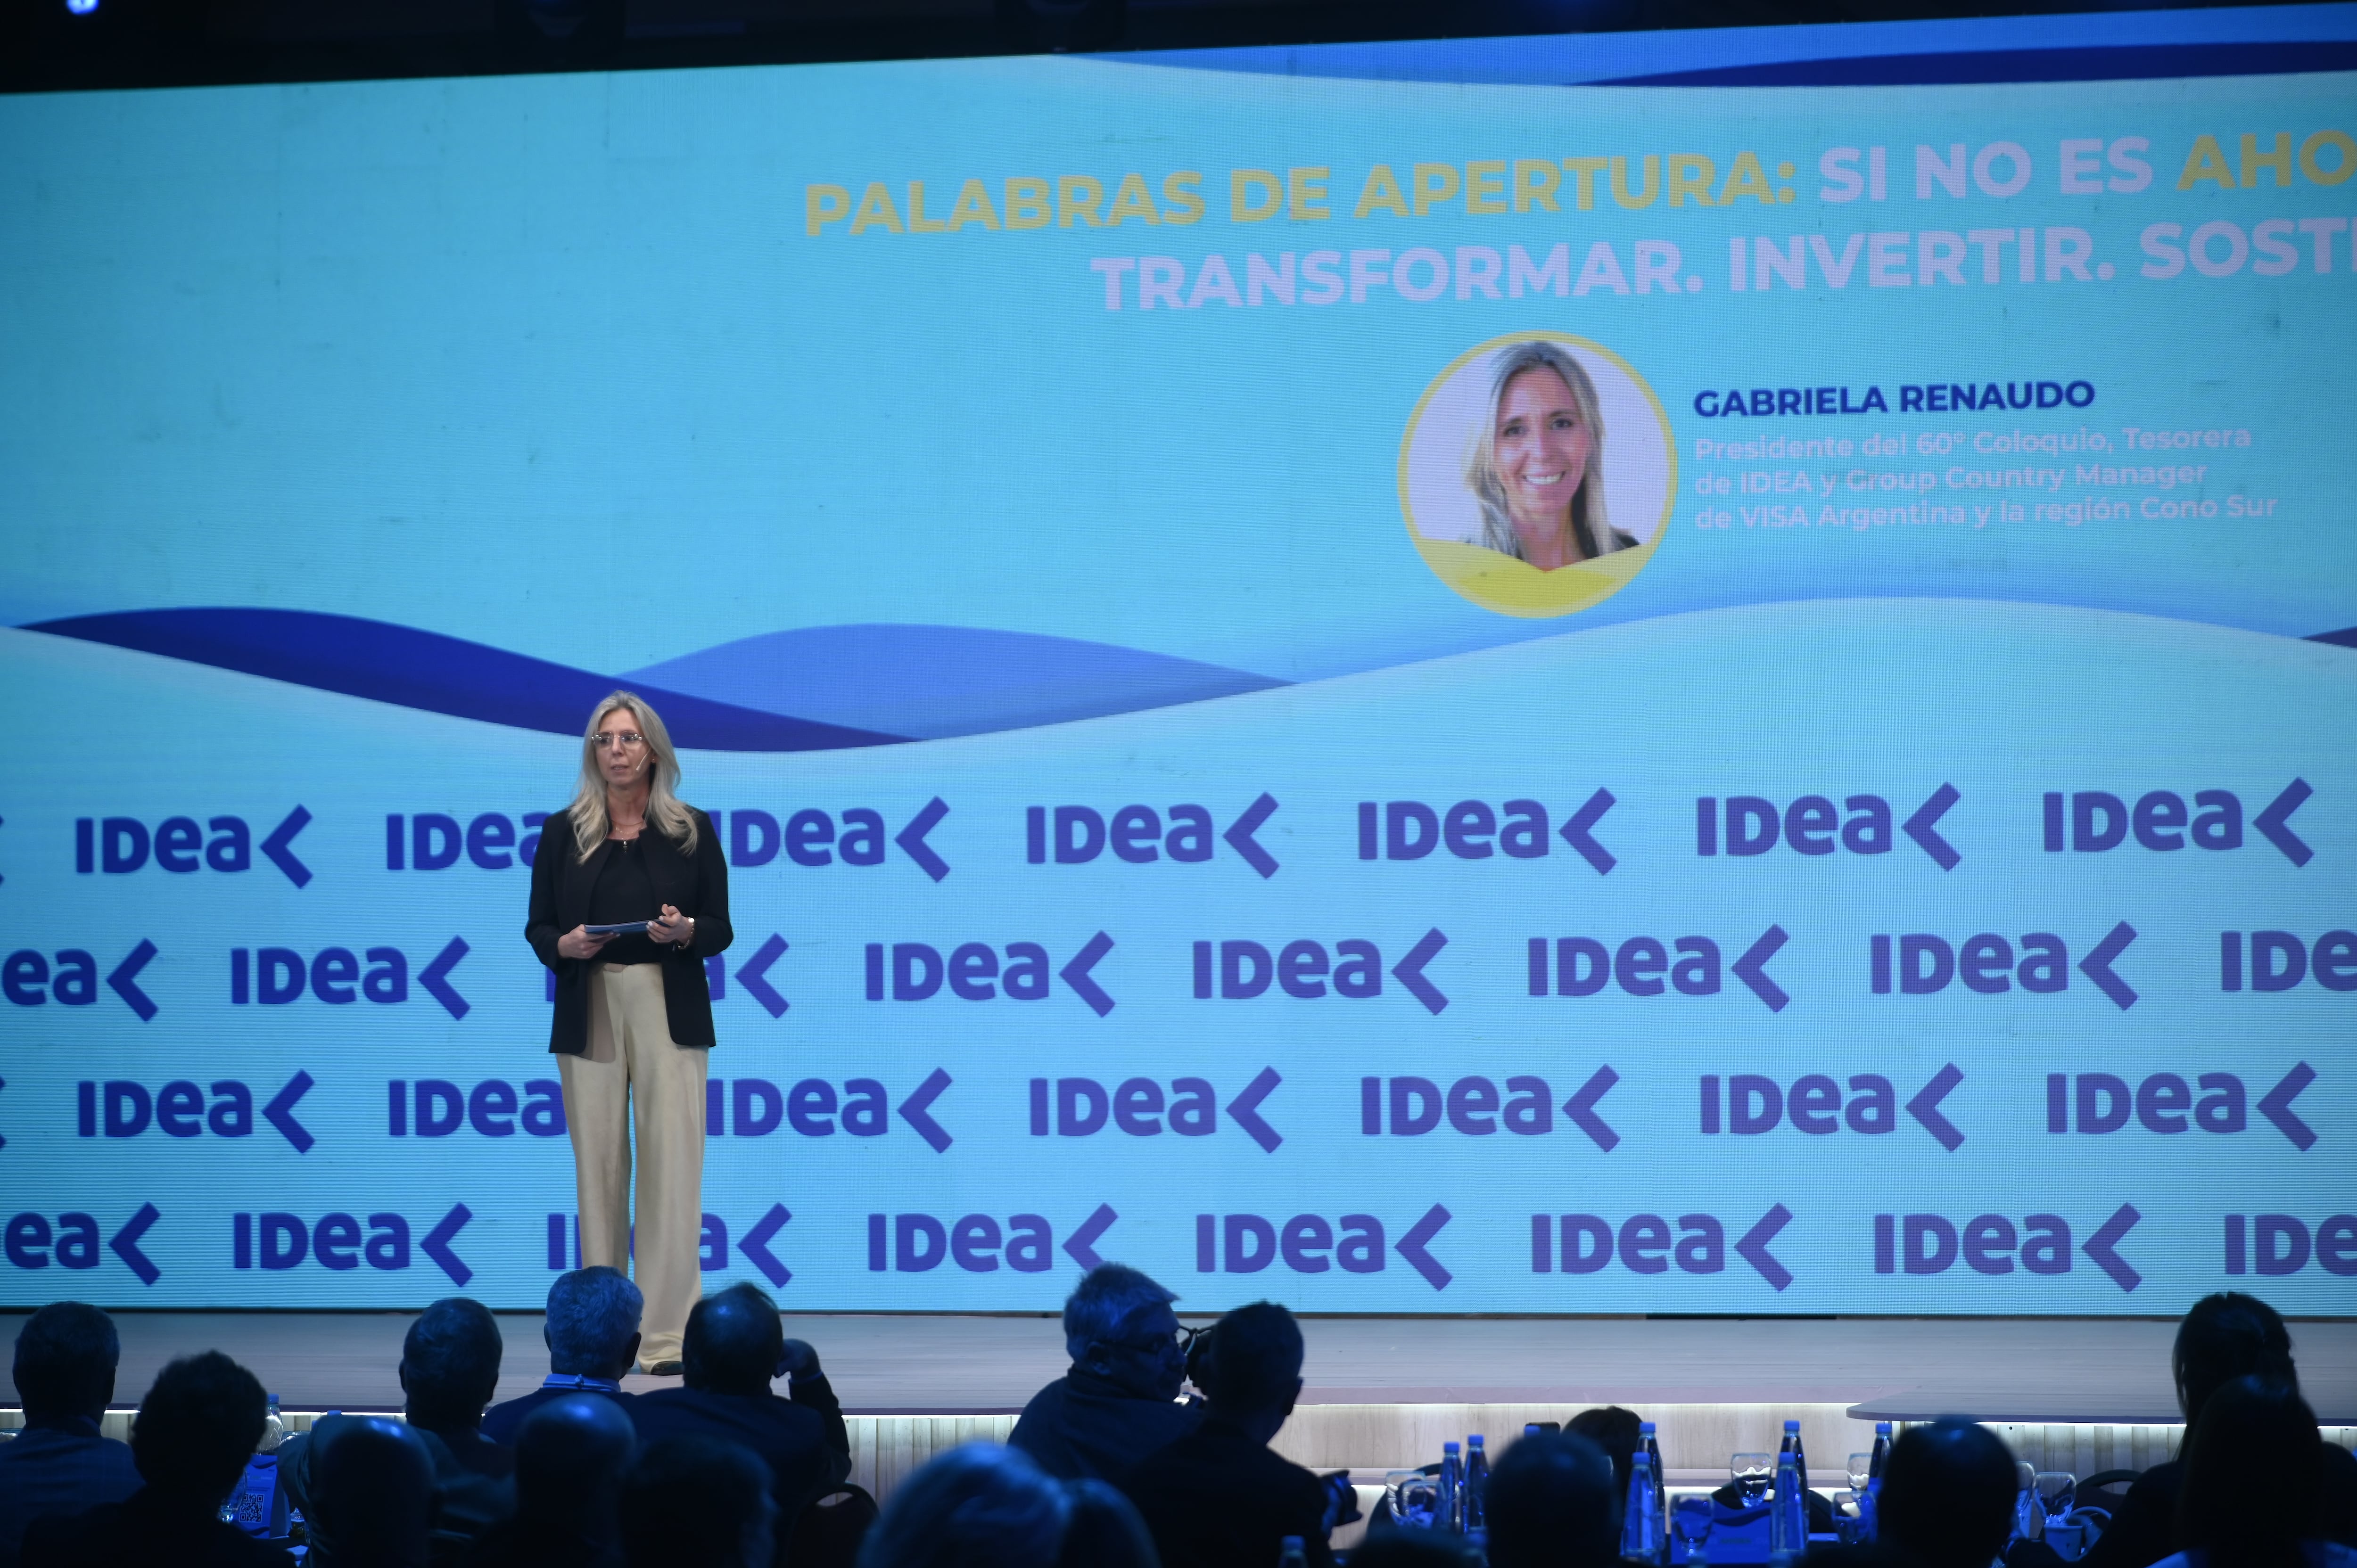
<point>625,909</point>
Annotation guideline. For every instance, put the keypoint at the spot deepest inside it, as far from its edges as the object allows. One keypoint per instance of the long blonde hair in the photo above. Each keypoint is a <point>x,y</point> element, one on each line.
<point>666,809</point>
<point>1591,530</point>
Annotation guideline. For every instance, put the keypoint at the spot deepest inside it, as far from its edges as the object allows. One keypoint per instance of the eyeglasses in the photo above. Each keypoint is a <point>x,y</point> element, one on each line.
<point>1180,1338</point>
<point>626,739</point>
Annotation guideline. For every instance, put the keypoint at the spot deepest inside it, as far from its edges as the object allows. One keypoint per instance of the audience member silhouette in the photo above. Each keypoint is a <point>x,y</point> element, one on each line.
<point>449,1365</point>
<point>1116,1403</point>
<point>570,1458</point>
<point>66,1356</point>
<point>977,1506</point>
<point>2254,1474</point>
<point>1395,1547</point>
<point>593,1340</point>
<point>194,1431</point>
<point>734,1346</point>
<point>1104,1530</point>
<point>692,1501</point>
<point>2223,1337</point>
<point>1218,1496</point>
<point>372,1493</point>
<point>1613,1430</point>
<point>1552,1502</point>
<point>1947,1497</point>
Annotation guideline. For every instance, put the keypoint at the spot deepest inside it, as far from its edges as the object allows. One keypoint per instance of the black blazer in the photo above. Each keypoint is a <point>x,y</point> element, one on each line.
<point>695,886</point>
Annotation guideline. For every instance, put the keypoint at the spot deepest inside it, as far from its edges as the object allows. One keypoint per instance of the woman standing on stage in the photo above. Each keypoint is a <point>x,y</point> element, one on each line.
<point>633,1013</point>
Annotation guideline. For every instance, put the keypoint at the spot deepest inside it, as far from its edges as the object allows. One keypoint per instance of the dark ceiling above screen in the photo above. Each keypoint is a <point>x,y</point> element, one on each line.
<point>46,45</point>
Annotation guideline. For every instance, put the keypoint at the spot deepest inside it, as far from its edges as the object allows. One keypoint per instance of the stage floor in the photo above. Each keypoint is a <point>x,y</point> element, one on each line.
<point>2099,1371</point>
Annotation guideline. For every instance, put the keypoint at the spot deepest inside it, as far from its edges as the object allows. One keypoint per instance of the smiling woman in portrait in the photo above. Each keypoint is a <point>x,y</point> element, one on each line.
<point>1536,465</point>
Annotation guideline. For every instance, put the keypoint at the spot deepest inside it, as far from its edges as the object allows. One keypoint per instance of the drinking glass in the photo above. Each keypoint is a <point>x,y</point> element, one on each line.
<point>1752,1474</point>
<point>1412,1493</point>
<point>1860,1471</point>
<point>2057,1492</point>
<point>2028,1517</point>
<point>1691,1518</point>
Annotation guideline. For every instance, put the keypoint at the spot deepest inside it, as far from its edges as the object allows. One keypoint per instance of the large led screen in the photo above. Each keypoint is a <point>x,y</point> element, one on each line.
<point>1409,696</point>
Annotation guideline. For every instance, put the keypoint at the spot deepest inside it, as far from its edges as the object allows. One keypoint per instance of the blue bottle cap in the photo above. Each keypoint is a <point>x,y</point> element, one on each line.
<point>1644,1429</point>
<point>1450,1447</point>
<point>1792,1426</point>
<point>1474,1441</point>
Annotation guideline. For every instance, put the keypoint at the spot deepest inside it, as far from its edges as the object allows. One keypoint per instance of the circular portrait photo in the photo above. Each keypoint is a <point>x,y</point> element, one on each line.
<point>1537,474</point>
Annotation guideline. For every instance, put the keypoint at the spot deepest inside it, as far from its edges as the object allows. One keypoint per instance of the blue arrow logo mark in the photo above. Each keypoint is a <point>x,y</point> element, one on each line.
<point>911,839</point>
<point>1753,1248</point>
<point>915,1110</point>
<point>2277,1106</point>
<point>1409,972</point>
<point>280,1112</point>
<point>1245,1109</point>
<point>1925,1106</point>
<point>2097,966</point>
<point>124,1244</point>
<point>1240,836</point>
<point>751,976</point>
<point>1752,968</point>
<point>1076,975</point>
<point>1919,826</point>
<point>1581,1108</point>
<point>436,1244</point>
<point>434,979</point>
<point>1081,1243</point>
<point>755,1244</point>
<point>1412,1247</point>
<point>123,980</point>
<point>2271,822</point>
<point>1576,831</point>
<point>2099,1247</point>
<point>274,846</point>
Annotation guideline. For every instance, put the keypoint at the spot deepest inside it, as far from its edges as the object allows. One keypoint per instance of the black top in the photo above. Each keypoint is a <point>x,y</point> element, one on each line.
<point>1218,1497</point>
<point>137,1534</point>
<point>696,885</point>
<point>624,893</point>
<point>59,1467</point>
<point>1084,1425</point>
<point>802,1440</point>
<point>2144,1526</point>
<point>501,1423</point>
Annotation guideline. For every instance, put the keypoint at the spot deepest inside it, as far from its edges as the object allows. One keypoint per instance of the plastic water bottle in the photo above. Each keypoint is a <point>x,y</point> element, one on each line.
<point>1645,1439</point>
<point>1800,1460</point>
<point>1448,1499</point>
<point>1477,1484</point>
<point>1640,1517</point>
<point>1881,1450</point>
<point>1787,1516</point>
<point>1291,1555</point>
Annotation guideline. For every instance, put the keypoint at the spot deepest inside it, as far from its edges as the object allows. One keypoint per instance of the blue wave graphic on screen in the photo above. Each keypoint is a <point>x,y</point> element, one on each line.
<point>934,681</point>
<point>816,689</point>
<point>440,674</point>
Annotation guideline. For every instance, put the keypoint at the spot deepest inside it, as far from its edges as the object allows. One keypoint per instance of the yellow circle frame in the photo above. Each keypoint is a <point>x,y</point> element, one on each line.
<point>1500,583</point>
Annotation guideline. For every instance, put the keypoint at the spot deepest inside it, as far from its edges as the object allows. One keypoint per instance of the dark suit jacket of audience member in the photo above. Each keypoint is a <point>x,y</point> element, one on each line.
<point>502,1422</point>
<point>472,1488</point>
<point>1083,1427</point>
<point>802,1440</point>
<point>59,1467</point>
<point>1217,1496</point>
<point>131,1534</point>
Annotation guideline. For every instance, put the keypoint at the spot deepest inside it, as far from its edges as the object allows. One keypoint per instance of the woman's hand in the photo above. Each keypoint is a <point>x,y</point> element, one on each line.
<point>578,943</point>
<point>672,929</point>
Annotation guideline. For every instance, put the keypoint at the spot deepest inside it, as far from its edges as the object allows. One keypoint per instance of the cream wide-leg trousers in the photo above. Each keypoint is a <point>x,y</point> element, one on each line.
<point>635,1077</point>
